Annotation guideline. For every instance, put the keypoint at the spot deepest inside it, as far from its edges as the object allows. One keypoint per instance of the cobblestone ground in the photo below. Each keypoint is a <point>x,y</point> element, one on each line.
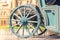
<point>6,34</point>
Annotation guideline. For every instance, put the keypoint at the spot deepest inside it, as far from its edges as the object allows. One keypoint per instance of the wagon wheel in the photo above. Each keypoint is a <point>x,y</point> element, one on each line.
<point>20,20</point>
<point>41,28</point>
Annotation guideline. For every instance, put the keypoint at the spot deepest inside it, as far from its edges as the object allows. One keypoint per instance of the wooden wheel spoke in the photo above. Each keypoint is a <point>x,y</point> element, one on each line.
<point>31,26</point>
<point>18,29</point>
<point>29,13</point>
<point>17,16</point>
<point>32,17</point>
<point>20,13</point>
<point>23,31</point>
<point>15,20</point>
<point>24,11</point>
<point>27,29</point>
<point>32,21</point>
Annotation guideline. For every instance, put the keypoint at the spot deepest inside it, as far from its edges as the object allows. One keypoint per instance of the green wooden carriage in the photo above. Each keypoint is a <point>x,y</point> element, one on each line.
<point>28,20</point>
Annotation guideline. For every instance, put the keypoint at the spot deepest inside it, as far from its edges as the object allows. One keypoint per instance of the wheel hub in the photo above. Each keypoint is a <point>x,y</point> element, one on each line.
<point>24,20</point>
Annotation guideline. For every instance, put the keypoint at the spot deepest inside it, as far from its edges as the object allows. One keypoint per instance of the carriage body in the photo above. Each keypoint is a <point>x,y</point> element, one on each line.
<point>53,15</point>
